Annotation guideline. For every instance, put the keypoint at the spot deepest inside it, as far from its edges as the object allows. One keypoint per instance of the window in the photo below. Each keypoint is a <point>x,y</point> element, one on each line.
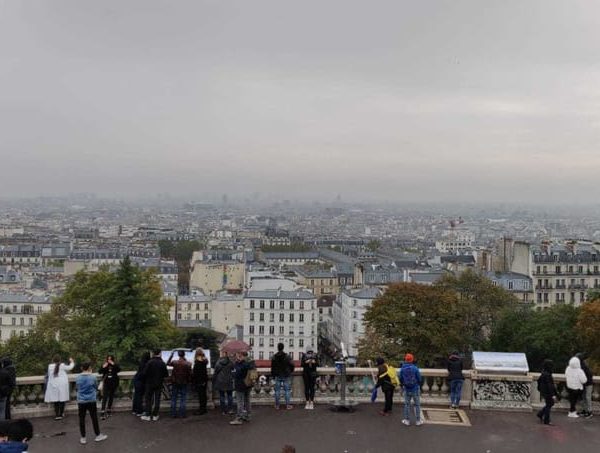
<point>291,317</point>
<point>271,342</point>
<point>580,269</point>
<point>271,317</point>
<point>281,305</point>
<point>271,330</point>
<point>291,342</point>
<point>354,316</point>
<point>281,331</point>
<point>205,315</point>
<point>251,330</point>
<point>261,355</point>
<point>300,343</point>
<point>178,316</point>
<point>291,332</point>
<point>510,285</point>
<point>354,327</point>
<point>281,317</point>
<point>301,305</point>
<point>292,355</point>
<point>271,304</point>
<point>261,317</point>
<point>251,316</point>
<point>262,304</point>
<point>251,303</point>
<point>557,270</point>
<point>301,317</point>
<point>261,330</point>
<point>206,306</point>
<point>251,342</point>
<point>291,304</point>
<point>261,342</point>
<point>197,316</point>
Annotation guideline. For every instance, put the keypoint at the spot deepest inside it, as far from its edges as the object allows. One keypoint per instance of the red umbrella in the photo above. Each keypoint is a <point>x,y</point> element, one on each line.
<point>235,346</point>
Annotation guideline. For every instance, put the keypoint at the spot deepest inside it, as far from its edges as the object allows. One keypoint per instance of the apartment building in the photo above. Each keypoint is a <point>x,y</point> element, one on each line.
<point>19,312</point>
<point>276,316</point>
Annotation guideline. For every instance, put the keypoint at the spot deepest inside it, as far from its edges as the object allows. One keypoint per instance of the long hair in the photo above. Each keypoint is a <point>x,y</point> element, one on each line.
<point>56,361</point>
<point>199,356</point>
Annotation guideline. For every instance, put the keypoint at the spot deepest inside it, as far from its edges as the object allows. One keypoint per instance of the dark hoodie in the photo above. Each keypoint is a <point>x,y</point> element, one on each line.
<point>586,369</point>
<point>281,365</point>
<point>455,368</point>
<point>545,382</point>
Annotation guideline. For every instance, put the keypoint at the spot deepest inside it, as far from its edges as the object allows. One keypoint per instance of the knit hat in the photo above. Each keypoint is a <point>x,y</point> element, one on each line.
<point>379,361</point>
<point>409,358</point>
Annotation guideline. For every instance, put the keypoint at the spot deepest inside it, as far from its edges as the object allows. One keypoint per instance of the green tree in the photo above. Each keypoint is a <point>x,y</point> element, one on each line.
<point>409,317</point>
<point>547,334</point>
<point>33,352</point>
<point>482,305</point>
<point>373,245</point>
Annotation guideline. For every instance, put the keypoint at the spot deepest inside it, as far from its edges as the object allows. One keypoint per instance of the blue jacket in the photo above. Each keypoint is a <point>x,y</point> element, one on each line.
<point>13,447</point>
<point>406,370</point>
<point>86,388</point>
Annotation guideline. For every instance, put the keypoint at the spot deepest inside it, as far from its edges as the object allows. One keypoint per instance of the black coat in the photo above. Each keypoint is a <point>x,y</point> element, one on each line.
<point>199,373</point>
<point>546,385</point>
<point>455,368</point>
<point>223,375</point>
<point>5,383</point>
<point>154,373</point>
<point>281,365</point>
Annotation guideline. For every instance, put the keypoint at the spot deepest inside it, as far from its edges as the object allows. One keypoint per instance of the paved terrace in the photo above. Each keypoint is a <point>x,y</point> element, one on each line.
<point>321,430</point>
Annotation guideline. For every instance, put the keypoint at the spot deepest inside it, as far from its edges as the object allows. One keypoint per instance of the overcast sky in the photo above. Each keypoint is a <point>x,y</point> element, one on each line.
<point>374,100</point>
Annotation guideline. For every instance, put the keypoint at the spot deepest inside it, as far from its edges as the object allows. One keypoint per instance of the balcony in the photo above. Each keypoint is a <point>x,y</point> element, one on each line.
<point>578,286</point>
<point>323,431</point>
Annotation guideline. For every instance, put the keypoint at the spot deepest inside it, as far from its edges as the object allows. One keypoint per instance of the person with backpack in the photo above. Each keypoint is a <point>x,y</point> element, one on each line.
<point>181,376</point>
<point>243,387</point>
<point>455,379</point>
<point>547,391</point>
<point>410,378</point>
<point>282,368</point>
<point>153,375</point>
<point>87,387</point>
<point>387,380</point>
<point>588,387</point>
<point>223,383</point>
<point>309,376</point>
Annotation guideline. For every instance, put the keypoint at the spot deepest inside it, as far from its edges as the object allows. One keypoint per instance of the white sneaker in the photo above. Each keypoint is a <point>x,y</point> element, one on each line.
<point>146,418</point>
<point>406,422</point>
<point>155,418</point>
<point>573,415</point>
<point>312,405</point>
<point>83,441</point>
<point>307,405</point>
<point>419,422</point>
<point>100,437</point>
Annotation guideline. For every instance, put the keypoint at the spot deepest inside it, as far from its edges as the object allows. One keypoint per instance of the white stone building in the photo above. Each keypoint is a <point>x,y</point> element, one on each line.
<point>275,316</point>
<point>19,312</point>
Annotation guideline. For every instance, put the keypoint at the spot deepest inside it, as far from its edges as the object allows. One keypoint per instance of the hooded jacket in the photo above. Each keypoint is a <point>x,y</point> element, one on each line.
<point>545,382</point>
<point>574,375</point>
<point>455,368</point>
<point>223,377</point>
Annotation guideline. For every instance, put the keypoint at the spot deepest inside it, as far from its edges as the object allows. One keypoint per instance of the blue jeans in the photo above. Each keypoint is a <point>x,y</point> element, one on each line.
<point>178,391</point>
<point>455,391</point>
<point>229,406</point>
<point>413,395</point>
<point>286,384</point>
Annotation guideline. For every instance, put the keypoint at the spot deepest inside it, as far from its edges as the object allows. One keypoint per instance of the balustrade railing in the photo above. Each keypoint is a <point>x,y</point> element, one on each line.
<point>512,392</point>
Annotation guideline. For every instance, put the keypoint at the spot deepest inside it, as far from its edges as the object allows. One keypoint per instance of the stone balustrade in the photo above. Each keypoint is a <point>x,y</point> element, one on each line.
<point>480,391</point>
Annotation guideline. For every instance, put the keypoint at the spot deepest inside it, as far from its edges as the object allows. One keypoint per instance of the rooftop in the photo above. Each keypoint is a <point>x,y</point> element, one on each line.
<point>324,431</point>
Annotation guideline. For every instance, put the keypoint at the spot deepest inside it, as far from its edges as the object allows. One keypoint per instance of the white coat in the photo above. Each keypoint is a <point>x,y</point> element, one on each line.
<point>574,375</point>
<point>57,389</point>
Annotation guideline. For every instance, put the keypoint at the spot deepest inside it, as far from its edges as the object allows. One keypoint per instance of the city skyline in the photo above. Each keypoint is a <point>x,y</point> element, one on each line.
<point>390,101</point>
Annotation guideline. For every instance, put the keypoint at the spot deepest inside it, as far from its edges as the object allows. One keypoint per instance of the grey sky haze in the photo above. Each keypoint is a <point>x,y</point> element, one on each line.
<point>388,100</point>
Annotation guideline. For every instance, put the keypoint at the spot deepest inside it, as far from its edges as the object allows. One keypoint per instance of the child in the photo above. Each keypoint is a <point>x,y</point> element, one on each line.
<point>87,387</point>
<point>14,435</point>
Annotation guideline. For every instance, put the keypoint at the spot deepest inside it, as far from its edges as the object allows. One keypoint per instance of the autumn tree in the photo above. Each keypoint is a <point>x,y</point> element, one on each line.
<point>424,320</point>
<point>588,329</point>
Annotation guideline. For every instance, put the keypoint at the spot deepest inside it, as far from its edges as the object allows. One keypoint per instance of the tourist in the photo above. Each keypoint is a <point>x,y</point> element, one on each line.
<point>15,435</point>
<point>223,382</point>
<point>410,378</point>
<point>200,379</point>
<point>87,386</point>
<point>309,376</point>
<point>588,388</point>
<point>384,381</point>
<point>282,368</point>
<point>547,391</point>
<point>181,377</point>
<point>8,366</point>
<point>109,373</point>
<point>455,379</point>
<point>576,379</point>
<point>57,388</point>
<point>154,374</point>
<point>138,386</point>
<point>6,386</point>
<point>242,390</point>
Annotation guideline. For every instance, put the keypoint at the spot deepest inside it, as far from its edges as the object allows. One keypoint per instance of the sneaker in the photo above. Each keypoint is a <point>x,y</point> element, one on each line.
<point>573,415</point>
<point>307,405</point>
<point>406,422</point>
<point>100,437</point>
<point>58,417</point>
<point>236,421</point>
<point>289,407</point>
<point>83,441</point>
<point>419,423</point>
<point>146,418</point>
<point>155,418</point>
<point>312,405</point>
<point>588,415</point>
<point>277,407</point>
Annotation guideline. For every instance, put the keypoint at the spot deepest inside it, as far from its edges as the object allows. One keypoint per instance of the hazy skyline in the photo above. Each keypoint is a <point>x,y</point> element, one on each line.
<point>382,100</point>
